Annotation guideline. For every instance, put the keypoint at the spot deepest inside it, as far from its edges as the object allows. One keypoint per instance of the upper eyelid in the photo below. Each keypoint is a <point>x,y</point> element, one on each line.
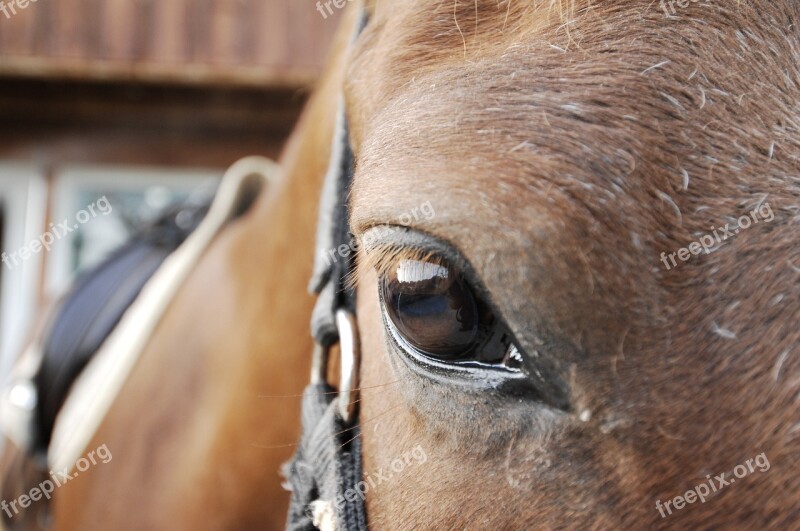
<point>398,242</point>
<point>402,239</point>
<point>384,234</point>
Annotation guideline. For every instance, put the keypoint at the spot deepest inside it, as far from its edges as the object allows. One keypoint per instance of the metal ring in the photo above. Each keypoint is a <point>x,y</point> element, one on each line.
<point>350,349</point>
<point>319,365</point>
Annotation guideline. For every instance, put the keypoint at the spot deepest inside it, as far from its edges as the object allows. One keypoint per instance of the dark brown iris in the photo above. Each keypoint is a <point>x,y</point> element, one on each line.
<point>432,308</point>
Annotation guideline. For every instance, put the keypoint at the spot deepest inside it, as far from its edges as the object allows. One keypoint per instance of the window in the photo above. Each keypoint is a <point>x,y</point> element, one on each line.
<point>133,196</point>
<point>23,203</point>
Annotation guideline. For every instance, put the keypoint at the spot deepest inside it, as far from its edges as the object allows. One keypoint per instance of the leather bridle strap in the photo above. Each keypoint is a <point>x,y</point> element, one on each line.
<point>325,472</point>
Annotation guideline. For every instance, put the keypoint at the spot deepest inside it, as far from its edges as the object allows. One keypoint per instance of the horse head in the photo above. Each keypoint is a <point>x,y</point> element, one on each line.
<point>577,262</point>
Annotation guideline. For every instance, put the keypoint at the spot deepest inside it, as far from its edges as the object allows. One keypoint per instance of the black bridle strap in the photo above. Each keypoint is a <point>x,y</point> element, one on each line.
<point>325,472</point>
<point>331,267</point>
<point>326,469</point>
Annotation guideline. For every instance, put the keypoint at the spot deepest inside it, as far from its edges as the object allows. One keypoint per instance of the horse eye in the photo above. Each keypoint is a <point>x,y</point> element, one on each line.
<point>433,308</point>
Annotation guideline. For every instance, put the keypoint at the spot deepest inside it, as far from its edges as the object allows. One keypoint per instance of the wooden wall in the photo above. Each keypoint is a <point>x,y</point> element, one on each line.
<point>164,82</point>
<point>279,43</point>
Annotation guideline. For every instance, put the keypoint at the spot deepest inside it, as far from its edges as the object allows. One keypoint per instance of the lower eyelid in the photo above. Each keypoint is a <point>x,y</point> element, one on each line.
<point>478,378</point>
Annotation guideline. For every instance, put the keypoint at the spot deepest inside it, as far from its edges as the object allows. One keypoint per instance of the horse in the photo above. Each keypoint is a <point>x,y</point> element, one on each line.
<point>598,326</point>
<point>581,354</point>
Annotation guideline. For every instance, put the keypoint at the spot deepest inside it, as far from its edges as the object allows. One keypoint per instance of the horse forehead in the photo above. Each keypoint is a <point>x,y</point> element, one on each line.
<point>496,132</point>
<point>507,118</point>
<point>406,40</point>
<point>512,140</point>
<point>431,88</point>
<point>520,108</point>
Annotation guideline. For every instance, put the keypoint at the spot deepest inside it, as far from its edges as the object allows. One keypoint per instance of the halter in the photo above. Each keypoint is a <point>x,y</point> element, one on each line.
<point>325,472</point>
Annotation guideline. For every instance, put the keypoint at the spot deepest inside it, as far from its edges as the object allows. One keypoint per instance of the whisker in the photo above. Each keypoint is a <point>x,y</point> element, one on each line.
<point>350,440</point>
<point>362,424</point>
<point>287,445</point>
<point>330,392</point>
<point>273,447</point>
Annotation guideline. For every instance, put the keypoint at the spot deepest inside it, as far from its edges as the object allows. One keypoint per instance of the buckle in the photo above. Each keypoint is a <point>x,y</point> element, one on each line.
<point>350,354</point>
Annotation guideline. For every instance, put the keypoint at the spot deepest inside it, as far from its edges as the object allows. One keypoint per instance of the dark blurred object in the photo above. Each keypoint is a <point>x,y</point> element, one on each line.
<point>95,304</point>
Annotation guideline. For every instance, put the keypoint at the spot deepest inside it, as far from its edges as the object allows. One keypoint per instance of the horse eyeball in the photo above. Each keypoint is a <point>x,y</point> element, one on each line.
<point>432,307</point>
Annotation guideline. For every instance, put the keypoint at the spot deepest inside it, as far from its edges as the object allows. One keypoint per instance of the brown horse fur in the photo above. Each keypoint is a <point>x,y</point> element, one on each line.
<point>210,413</point>
<point>564,150</point>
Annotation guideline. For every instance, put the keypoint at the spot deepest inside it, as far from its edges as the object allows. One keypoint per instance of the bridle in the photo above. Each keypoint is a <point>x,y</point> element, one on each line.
<point>325,472</point>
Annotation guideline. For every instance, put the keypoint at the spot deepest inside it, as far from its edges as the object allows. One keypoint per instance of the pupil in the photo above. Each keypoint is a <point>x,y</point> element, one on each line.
<point>432,308</point>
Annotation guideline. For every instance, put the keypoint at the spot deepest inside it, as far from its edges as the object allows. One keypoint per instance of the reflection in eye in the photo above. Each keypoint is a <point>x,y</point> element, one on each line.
<point>417,270</point>
<point>432,307</point>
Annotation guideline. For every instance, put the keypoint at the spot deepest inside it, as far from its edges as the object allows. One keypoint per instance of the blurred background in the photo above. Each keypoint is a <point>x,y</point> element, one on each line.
<point>142,101</point>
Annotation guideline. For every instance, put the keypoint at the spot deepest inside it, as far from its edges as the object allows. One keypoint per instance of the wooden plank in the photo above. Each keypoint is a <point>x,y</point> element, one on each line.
<point>45,28</point>
<point>246,30</point>
<point>17,31</point>
<point>175,40</point>
<point>69,32</point>
<point>142,46</point>
<point>223,28</point>
<point>169,46</point>
<point>94,13</point>
<point>199,26</point>
<point>118,31</point>
<point>272,39</point>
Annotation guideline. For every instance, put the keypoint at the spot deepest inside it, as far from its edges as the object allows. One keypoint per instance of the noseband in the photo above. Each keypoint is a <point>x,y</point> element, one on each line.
<point>325,472</point>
